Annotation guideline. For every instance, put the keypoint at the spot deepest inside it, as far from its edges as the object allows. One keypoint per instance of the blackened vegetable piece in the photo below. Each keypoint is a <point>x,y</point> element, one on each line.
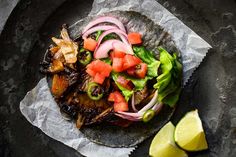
<point>140,95</point>
<point>80,121</point>
<point>59,85</point>
<point>95,91</point>
<point>70,110</point>
<point>56,66</point>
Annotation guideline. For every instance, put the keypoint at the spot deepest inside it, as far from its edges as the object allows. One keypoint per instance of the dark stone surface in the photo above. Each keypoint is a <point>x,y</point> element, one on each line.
<point>211,89</point>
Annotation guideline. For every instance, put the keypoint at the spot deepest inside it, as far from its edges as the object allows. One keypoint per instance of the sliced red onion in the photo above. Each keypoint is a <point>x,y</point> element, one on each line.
<point>133,105</point>
<point>120,46</point>
<point>129,117</point>
<point>137,116</point>
<point>123,36</point>
<point>150,104</point>
<point>157,107</point>
<point>103,19</point>
<point>130,114</point>
<point>97,28</point>
<point>104,48</point>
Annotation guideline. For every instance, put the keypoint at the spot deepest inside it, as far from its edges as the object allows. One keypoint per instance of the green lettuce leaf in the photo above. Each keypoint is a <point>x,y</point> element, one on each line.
<point>169,82</point>
<point>98,34</point>
<point>153,69</point>
<point>144,54</point>
<point>106,60</point>
<point>138,83</point>
<point>147,57</point>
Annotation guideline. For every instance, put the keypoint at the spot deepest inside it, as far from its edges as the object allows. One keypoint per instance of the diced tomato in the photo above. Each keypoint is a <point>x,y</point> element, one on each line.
<point>121,106</point>
<point>119,97</point>
<point>99,70</point>
<point>90,72</point>
<point>137,60</point>
<point>100,67</point>
<point>131,71</point>
<point>90,44</point>
<point>106,71</point>
<point>112,55</point>
<point>134,38</point>
<point>117,64</point>
<point>125,83</point>
<point>130,61</point>
<point>99,78</point>
<point>119,101</point>
<point>116,97</point>
<point>141,70</point>
<point>111,97</point>
<point>118,54</point>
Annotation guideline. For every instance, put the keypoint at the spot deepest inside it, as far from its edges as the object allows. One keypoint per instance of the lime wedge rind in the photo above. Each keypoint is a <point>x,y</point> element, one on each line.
<point>189,134</point>
<point>163,144</point>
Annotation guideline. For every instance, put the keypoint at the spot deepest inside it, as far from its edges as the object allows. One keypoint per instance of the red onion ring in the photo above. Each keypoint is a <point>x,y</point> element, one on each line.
<point>123,36</point>
<point>104,48</point>
<point>120,46</point>
<point>128,117</point>
<point>130,114</point>
<point>157,107</point>
<point>97,28</point>
<point>150,104</point>
<point>133,105</point>
<point>137,116</point>
<point>103,19</point>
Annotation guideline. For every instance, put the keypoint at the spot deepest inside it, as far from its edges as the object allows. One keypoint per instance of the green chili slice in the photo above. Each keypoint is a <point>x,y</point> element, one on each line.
<point>95,91</point>
<point>85,57</point>
<point>148,115</point>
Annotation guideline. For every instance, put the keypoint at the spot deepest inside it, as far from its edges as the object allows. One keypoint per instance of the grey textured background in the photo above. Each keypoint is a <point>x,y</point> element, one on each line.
<point>212,88</point>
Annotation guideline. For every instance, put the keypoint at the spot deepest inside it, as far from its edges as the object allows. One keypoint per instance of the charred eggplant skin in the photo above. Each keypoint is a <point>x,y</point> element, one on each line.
<point>70,110</point>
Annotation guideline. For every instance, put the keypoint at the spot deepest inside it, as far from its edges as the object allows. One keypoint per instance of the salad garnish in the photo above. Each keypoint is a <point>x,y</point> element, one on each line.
<point>109,71</point>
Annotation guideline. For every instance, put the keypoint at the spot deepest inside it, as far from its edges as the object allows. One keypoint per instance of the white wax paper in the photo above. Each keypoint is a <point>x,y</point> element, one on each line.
<point>41,110</point>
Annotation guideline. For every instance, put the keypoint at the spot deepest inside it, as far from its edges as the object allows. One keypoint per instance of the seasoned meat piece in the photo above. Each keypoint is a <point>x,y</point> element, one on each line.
<point>106,86</point>
<point>85,79</point>
<point>140,95</point>
<point>93,111</point>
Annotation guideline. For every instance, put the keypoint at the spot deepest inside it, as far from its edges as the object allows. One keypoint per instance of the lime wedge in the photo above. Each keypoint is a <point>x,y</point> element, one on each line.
<point>189,133</point>
<point>163,144</point>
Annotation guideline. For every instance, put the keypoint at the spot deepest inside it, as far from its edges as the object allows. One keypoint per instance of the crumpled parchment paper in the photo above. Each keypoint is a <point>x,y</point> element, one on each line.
<point>41,110</point>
